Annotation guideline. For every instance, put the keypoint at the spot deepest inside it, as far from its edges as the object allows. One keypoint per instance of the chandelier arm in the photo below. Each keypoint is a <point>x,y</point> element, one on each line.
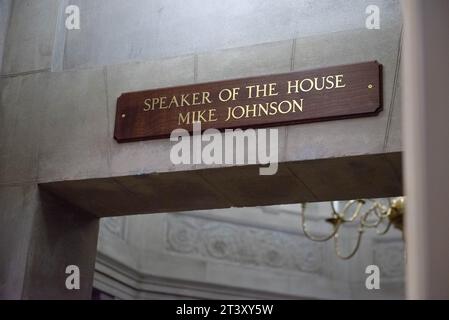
<point>393,214</point>
<point>387,213</point>
<point>311,237</point>
<point>384,211</point>
<point>334,211</point>
<point>356,213</point>
<point>353,252</point>
<point>364,219</point>
<point>386,229</point>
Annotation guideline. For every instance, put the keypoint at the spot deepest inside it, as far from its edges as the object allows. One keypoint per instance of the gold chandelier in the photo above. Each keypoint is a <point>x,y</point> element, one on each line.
<point>376,216</point>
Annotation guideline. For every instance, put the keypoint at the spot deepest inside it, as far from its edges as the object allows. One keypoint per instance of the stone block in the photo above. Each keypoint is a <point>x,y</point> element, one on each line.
<point>40,236</point>
<point>17,206</point>
<point>249,61</point>
<point>29,43</point>
<point>21,110</point>
<point>350,136</point>
<point>74,135</point>
<point>145,156</point>
<point>61,236</point>
<point>243,186</point>
<point>348,178</point>
<point>394,139</point>
<point>161,29</point>
<point>5,11</point>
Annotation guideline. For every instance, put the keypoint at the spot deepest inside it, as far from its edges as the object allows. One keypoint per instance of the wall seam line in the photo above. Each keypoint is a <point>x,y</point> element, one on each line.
<point>394,92</point>
<point>108,118</point>
<point>25,73</point>
<point>195,68</point>
<point>292,58</point>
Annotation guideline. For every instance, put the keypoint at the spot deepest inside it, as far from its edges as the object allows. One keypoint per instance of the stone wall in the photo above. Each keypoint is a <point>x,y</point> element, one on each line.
<point>69,116</point>
<point>5,10</point>
<point>57,103</point>
<point>65,119</point>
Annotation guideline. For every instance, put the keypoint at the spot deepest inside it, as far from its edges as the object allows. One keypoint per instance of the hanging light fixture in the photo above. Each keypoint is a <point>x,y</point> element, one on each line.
<point>379,217</point>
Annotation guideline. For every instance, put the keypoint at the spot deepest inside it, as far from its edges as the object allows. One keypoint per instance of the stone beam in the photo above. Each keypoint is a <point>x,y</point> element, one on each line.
<point>371,176</point>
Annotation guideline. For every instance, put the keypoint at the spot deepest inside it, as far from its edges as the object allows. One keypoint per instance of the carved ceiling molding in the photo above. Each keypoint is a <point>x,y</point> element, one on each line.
<point>240,244</point>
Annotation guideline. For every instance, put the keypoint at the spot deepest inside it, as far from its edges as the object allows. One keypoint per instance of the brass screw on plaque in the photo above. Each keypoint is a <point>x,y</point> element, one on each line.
<point>370,86</point>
